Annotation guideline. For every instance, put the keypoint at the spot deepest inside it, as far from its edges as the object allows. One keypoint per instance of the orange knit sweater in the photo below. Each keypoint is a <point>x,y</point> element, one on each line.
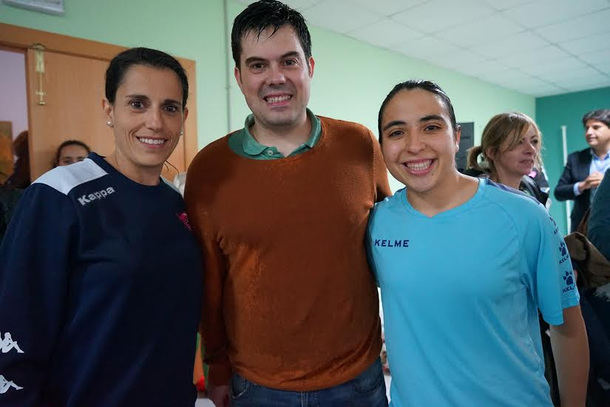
<point>290,302</point>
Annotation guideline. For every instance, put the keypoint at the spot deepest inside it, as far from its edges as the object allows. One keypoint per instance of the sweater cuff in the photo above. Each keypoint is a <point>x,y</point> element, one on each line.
<point>219,374</point>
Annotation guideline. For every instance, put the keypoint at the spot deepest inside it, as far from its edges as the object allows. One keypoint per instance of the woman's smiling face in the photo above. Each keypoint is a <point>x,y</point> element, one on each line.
<point>147,118</point>
<point>418,140</point>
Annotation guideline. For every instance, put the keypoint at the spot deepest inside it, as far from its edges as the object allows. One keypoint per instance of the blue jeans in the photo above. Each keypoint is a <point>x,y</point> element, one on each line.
<point>366,390</point>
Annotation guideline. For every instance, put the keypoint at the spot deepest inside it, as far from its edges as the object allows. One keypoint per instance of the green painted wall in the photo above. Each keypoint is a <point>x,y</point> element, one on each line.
<point>551,113</point>
<point>350,81</point>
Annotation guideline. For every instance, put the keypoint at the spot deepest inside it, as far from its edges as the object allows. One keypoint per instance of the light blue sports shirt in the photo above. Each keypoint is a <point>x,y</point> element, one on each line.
<point>461,292</point>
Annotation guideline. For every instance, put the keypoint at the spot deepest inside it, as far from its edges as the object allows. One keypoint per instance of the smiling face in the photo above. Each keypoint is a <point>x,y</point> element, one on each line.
<point>147,118</point>
<point>597,135</point>
<point>275,78</point>
<point>418,141</point>
<point>518,161</point>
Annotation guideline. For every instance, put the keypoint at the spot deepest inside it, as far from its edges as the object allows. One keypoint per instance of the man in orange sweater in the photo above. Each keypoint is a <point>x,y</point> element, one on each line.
<point>280,207</point>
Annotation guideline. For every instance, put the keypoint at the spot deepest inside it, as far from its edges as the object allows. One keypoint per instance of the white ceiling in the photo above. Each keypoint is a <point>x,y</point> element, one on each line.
<point>537,47</point>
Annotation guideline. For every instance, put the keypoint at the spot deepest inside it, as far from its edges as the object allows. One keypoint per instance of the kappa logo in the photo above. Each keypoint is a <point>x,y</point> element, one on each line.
<point>7,344</point>
<point>5,385</point>
<point>101,194</point>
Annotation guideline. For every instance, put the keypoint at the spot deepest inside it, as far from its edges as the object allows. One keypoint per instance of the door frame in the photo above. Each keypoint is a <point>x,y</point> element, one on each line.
<point>22,38</point>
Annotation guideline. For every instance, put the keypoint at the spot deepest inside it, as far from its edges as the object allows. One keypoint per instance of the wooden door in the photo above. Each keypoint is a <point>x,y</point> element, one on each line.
<point>70,107</point>
<point>72,87</point>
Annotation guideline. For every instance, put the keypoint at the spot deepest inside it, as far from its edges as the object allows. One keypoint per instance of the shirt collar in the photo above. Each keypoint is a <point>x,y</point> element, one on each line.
<point>253,147</point>
<point>249,143</point>
<point>596,157</point>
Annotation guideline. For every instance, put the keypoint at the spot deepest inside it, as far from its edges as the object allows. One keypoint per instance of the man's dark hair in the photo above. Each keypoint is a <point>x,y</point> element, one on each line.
<point>121,63</point>
<point>601,115</point>
<point>418,84</point>
<point>264,14</point>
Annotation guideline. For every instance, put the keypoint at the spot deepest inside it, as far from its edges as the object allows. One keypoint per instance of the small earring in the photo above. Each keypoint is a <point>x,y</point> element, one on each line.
<point>182,132</point>
<point>109,123</point>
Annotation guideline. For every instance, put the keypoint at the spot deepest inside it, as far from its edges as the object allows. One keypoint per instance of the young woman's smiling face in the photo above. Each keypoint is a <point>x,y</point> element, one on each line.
<point>418,140</point>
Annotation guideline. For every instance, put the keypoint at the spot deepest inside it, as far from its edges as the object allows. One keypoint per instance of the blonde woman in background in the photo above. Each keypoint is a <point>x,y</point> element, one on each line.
<point>509,151</point>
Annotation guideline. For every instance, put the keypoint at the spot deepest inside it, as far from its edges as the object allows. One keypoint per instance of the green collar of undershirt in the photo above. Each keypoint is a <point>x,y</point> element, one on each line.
<point>243,143</point>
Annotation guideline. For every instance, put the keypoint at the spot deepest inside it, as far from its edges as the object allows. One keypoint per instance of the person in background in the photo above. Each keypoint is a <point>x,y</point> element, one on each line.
<point>100,275</point>
<point>20,178</point>
<point>539,176</point>
<point>509,151</point>
<point>585,169</point>
<point>510,154</point>
<point>8,202</point>
<point>291,311</point>
<point>596,302</point>
<point>69,152</point>
<point>12,189</point>
<point>461,319</point>
<point>599,219</point>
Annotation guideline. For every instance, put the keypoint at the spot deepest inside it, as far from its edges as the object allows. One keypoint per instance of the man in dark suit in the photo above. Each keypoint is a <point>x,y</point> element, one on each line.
<point>585,169</point>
